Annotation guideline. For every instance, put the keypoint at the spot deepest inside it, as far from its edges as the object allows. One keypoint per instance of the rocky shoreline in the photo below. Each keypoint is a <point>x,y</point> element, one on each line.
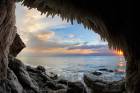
<point>105,81</point>
<point>27,79</point>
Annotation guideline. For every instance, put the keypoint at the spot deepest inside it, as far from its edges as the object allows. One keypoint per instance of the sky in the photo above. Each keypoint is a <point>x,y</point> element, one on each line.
<point>47,36</point>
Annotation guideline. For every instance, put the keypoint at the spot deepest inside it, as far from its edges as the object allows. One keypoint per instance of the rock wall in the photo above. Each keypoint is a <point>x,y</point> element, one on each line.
<point>7,33</point>
<point>133,73</point>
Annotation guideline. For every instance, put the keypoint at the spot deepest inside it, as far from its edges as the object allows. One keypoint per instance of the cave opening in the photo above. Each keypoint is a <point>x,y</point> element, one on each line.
<point>59,45</point>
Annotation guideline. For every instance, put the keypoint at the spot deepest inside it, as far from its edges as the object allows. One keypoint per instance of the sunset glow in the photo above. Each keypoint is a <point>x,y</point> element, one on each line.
<point>118,52</point>
<point>59,51</point>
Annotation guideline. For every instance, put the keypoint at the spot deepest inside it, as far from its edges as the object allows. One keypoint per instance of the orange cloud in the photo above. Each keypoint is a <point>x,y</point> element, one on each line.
<point>45,36</point>
<point>60,51</point>
<point>72,51</point>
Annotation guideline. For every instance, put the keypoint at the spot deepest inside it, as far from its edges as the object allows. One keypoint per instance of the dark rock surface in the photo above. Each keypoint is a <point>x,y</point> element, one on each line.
<point>27,79</point>
<point>11,85</point>
<point>74,87</point>
<point>107,70</point>
<point>16,46</point>
<point>105,81</point>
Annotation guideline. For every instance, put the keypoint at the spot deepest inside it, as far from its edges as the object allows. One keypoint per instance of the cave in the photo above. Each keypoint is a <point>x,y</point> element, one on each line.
<point>112,20</point>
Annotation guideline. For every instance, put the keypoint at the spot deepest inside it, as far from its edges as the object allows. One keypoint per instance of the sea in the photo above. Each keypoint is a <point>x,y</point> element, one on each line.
<point>74,67</point>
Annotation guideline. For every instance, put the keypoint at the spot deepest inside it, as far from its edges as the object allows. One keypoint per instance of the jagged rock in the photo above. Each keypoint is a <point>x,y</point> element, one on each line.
<point>74,87</point>
<point>106,82</point>
<point>14,83</point>
<point>61,86</point>
<point>53,75</point>
<point>16,46</point>
<point>44,81</point>
<point>51,85</point>
<point>39,77</point>
<point>38,69</point>
<point>11,84</point>
<point>41,68</point>
<point>23,76</point>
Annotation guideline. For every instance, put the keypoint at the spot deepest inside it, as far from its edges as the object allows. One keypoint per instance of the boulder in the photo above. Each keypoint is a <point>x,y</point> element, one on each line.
<point>104,82</point>
<point>97,73</point>
<point>53,75</point>
<point>74,87</point>
<point>105,69</point>
<point>41,68</point>
<point>23,76</point>
<point>16,46</point>
<point>11,84</point>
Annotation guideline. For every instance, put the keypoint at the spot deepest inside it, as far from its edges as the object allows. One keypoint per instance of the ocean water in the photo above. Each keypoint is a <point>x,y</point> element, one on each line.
<point>73,67</point>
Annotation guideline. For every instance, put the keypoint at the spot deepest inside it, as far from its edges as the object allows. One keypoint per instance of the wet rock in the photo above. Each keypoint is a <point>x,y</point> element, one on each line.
<point>39,77</point>
<point>61,86</point>
<point>53,75</point>
<point>44,81</point>
<point>23,76</point>
<point>74,87</point>
<point>14,82</point>
<point>56,91</point>
<point>106,82</point>
<point>97,73</point>
<point>11,84</point>
<point>31,69</point>
<point>38,69</point>
<point>51,85</point>
<point>61,91</point>
<point>41,68</point>
<point>107,70</point>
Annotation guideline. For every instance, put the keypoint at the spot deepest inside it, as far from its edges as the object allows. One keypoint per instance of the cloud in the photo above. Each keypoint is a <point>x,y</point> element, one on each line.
<point>39,47</point>
<point>85,46</point>
<point>31,22</point>
<point>44,41</point>
<point>57,51</point>
<point>45,44</point>
<point>71,35</point>
<point>100,49</point>
<point>45,36</point>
